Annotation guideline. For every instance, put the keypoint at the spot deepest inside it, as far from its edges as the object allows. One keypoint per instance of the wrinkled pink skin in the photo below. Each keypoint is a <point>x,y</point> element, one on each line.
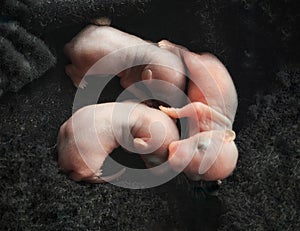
<point>87,138</point>
<point>211,85</point>
<point>94,42</point>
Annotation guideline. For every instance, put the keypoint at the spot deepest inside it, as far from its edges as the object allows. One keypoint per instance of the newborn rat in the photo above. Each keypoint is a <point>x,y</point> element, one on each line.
<point>93,132</point>
<point>211,141</point>
<point>96,42</point>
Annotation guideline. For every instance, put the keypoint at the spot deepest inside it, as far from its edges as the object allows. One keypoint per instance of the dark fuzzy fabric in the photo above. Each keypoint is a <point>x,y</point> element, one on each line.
<point>257,41</point>
<point>264,192</point>
<point>24,57</point>
<point>38,16</point>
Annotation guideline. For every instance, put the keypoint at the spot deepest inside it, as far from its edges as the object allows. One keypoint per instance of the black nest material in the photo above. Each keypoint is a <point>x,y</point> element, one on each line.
<point>258,41</point>
<point>24,57</point>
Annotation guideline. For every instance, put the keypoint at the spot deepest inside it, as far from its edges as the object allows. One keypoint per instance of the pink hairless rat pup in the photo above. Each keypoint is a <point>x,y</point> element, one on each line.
<point>96,42</point>
<point>83,147</point>
<point>212,144</point>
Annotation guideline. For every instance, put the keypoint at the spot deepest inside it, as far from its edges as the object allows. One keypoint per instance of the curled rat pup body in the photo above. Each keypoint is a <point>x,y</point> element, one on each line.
<point>211,140</point>
<point>121,50</point>
<point>93,132</point>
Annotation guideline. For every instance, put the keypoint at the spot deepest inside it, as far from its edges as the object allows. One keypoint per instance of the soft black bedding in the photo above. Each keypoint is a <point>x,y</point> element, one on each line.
<point>256,40</point>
